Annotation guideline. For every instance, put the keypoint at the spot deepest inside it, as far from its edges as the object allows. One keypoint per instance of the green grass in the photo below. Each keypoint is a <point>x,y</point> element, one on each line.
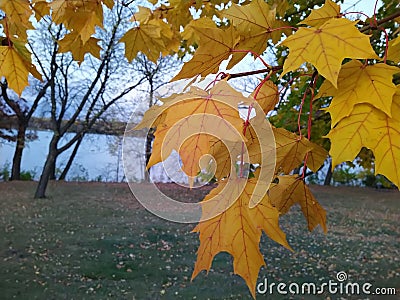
<point>94,241</point>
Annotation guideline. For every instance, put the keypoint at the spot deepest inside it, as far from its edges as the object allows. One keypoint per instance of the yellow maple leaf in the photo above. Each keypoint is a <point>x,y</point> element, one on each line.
<point>41,8</point>
<point>326,47</point>
<point>72,42</point>
<point>268,96</point>
<point>171,39</point>
<point>352,133</point>
<point>20,48</point>
<point>394,50</point>
<point>15,65</point>
<point>14,31</point>
<point>281,6</point>
<point>358,83</point>
<point>84,22</point>
<point>255,148</point>
<point>215,46</point>
<point>291,151</point>
<point>17,13</point>
<point>292,190</point>
<point>192,34</point>
<point>151,38</point>
<point>15,68</point>
<point>146,39</point>
<point>236,229</point>
<point>316,157</point>
<point>260,148</point>
<point>368,127</point>
<point>178,13</point>
<point>222,101</point>
<point>143,16</point>
<point>265,217</point>
<point>387,147</point>
<point>319,16</point>
<point>166,39</point>
<point>254,22</point>
<point>216,162</point>
<point>59,8</point>
<point>80,16</point>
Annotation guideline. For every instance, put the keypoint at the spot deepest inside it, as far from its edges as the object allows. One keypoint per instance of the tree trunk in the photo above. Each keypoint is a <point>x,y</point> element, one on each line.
<point>45,176</point>
<point>71,159</point>
<point>149,140</point>
<point>328,177</point>
<point>53,170</point>
<point>16,165</point>
<point>150,134</point>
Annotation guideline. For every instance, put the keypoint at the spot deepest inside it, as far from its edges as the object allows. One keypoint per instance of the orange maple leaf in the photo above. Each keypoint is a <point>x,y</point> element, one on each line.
<point>190,119</point>
<point>216,162</point>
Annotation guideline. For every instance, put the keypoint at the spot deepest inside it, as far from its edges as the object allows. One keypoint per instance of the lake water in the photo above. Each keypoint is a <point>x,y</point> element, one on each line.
<point>99,158</point>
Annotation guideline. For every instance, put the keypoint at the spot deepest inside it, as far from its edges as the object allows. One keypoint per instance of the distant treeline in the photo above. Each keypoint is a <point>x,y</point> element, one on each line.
<point>100,127</point>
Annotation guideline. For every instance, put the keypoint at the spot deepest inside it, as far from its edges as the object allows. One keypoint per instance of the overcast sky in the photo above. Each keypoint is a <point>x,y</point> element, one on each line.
<point>366,6</point>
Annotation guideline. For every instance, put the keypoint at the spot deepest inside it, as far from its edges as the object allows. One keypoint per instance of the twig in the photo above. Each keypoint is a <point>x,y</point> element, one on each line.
<point>242,74</point>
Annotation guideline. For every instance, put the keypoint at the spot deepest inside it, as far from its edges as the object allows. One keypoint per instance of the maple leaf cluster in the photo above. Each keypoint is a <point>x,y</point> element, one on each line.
<point>205,128</point>
<point>364,113</point>
<point>204,125</point>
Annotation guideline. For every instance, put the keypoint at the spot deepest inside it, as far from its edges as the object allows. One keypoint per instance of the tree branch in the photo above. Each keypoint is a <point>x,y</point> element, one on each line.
<point>242,74</point>
<point>12,104</point>
<point>380,22</point>
<point>39,96</point>
<point>92,86</point>
<point>97,116</point>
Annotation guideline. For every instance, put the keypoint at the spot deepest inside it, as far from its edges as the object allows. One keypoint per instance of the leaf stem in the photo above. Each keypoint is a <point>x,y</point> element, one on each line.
<point>213,82</point>
<point>386,43</point>
<point>245,125</point>
<point>375,20</point>
<point>300,112</point>
<point>7,31</point>
<point>311,89</point>
<point>258,88</point>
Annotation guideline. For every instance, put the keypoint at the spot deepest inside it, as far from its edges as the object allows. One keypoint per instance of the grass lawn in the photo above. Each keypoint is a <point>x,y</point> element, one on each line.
<point>94,241</point>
